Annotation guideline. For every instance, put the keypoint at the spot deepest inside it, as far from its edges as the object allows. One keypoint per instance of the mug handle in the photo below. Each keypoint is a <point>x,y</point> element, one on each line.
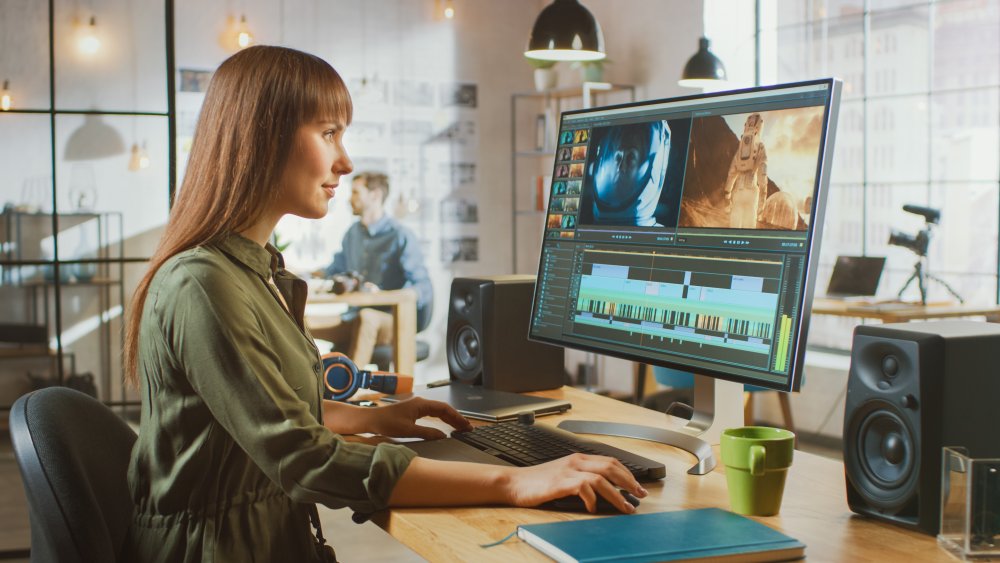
<point>757,460</point>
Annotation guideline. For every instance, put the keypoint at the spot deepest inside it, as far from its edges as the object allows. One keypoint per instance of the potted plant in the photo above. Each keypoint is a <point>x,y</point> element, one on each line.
<point>545,74</point>
<point>591,71</point>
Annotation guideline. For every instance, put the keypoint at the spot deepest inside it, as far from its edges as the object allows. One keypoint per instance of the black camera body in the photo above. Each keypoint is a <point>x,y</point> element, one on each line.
<point>917,243</point>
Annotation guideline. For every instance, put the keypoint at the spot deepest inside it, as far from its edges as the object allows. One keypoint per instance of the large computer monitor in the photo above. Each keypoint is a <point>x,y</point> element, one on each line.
<point>685,232</point>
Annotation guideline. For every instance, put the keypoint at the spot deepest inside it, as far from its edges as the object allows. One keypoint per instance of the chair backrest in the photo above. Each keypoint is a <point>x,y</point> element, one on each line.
<point>424,314</point>
<point>73,453</point>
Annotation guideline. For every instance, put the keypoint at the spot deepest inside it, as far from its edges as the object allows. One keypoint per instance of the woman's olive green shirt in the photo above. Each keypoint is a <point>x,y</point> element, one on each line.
<point>232,447</point>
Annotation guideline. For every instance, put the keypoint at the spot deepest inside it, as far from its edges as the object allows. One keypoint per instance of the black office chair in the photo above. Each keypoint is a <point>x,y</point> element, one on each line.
<point>74,454</point>
<point>383,353</point>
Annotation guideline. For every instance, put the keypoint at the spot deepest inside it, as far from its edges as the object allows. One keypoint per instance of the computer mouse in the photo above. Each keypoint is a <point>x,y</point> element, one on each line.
<point>575,504</point>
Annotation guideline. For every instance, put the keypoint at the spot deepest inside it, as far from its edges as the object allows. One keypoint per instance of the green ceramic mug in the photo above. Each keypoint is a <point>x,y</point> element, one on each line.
<point>757,459</point>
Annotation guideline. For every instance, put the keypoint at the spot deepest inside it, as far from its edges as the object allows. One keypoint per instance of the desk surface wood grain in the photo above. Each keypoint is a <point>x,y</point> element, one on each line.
<point>814,509</point>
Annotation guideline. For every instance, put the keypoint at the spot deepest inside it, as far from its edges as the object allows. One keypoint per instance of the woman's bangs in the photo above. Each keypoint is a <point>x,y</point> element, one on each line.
<point>329,99</point>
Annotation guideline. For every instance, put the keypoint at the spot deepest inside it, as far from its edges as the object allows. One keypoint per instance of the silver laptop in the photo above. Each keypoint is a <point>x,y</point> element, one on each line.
<point>479,403</point>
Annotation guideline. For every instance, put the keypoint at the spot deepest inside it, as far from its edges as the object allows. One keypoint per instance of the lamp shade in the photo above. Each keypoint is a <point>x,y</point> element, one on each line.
<point>92,140</point>
<point>704,69</point>
<point>566,31</point>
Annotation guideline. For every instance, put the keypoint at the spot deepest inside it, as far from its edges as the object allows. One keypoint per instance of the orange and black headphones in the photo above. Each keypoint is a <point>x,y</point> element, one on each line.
<point>341,379</point>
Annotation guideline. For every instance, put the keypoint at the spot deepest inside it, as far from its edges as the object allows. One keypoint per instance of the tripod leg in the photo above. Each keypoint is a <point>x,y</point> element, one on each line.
<point>922,283</point>
<point>912,277</point>
<point>946,286</point>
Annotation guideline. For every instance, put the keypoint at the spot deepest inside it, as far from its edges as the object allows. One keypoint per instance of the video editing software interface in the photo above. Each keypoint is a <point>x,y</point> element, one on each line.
<point>679,231</point>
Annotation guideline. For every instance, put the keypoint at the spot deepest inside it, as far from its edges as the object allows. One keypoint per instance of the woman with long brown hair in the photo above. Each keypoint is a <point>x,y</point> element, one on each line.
<point>236,443</point>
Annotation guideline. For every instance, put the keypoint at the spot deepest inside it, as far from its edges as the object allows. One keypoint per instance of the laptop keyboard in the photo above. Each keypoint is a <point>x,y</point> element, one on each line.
<point>528,444</point>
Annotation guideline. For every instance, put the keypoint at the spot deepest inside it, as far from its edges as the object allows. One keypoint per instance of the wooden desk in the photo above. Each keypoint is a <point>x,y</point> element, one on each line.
<point>814,509</point>
<point>902,312</point>
<point>403,307</point>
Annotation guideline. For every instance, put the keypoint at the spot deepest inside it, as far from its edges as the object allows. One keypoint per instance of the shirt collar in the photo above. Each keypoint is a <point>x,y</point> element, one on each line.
<point>378,226</point>
<point>265,260</point>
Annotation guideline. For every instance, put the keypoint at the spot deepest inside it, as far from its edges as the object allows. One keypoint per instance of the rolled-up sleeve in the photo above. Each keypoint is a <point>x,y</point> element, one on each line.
<point>214,329</point>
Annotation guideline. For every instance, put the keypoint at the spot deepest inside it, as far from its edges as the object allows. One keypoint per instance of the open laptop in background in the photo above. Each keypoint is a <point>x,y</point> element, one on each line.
<point>855,277</point>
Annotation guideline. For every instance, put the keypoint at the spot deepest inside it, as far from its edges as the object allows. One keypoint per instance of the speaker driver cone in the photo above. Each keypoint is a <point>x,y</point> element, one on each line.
<point>883,457</point>
<point>467,352</point>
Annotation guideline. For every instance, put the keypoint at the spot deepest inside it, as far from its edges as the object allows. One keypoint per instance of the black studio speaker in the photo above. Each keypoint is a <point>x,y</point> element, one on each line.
<point>913,389</point>
<point>487,340</point>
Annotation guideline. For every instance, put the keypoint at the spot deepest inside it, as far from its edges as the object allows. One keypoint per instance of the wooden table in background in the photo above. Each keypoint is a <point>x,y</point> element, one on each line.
<point>402,304</point>
<point>814,509</point>
<point>902,312</point>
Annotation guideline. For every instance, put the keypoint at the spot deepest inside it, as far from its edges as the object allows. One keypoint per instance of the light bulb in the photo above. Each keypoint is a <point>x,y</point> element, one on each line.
<point>88,43</point>
<point>134,160</point>
<point>243,36</point>
<point>449,10</point>
<point>143,157</point>
<point>5,97</point>
<point>139,159</point>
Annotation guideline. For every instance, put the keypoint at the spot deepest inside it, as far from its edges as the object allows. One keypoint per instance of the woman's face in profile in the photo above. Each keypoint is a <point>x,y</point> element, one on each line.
<point>315,166</point>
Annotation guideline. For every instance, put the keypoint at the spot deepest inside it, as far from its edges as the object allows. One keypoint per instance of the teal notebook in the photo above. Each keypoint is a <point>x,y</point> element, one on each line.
<point>684,535</point>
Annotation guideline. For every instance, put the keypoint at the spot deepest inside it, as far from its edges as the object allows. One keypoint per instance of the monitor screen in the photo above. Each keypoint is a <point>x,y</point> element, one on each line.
<point>684,232</point>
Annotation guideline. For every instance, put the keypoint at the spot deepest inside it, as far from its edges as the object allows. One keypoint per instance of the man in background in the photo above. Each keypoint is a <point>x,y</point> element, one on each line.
<point>386,255</point>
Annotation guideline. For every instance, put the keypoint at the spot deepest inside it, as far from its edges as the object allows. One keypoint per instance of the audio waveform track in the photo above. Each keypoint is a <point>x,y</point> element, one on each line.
<point>661,302</point>
<point>636,313</point>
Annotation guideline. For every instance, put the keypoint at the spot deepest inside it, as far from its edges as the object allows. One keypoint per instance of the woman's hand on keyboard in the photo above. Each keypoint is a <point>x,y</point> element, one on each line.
<point>399,420</point>
<point>586,476</point>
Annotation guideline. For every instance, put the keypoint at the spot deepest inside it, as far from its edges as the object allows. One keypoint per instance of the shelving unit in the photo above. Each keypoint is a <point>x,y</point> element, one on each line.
<point>41,280</point>
<point>533,157</point>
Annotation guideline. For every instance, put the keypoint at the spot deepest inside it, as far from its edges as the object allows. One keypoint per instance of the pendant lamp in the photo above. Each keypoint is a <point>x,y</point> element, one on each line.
<point>704,69</point>
<point>566,31</point>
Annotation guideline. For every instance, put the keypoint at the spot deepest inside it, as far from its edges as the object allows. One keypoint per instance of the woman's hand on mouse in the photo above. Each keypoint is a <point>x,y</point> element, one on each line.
<point>586,476</point>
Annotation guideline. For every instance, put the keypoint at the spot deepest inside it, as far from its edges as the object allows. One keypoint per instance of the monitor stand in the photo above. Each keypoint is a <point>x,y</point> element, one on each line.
<point>718,405</point>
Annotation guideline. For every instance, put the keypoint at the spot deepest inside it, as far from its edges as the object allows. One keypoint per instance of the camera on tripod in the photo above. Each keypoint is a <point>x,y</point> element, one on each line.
<point>919,243</point>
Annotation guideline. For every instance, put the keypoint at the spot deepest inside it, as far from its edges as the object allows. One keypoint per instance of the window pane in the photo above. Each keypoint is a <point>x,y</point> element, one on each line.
<point>797,52</point>
<point>91,327</point>
<point>897,145</point>
<point>830,331</point>
<point>845,54</point>
<point>965,140</point>
<point>791,12</point>
<point>968,220</point>
<point>814,50</point>
<point>899,52</point>
<point>842,226</point>
<point>966,34</point>
<point>126,70</point>
<point>841,8</point>
<point>849,149</point>
<point>878,5</point>
<point>94,178</point>
<point>24,39</point>
<point>25,162</point>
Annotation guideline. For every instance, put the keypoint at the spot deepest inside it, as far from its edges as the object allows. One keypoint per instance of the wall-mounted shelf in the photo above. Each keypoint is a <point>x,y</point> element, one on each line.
<point>531,162</point>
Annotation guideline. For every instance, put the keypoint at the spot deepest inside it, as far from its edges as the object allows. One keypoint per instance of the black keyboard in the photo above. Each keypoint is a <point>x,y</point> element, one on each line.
<point>528,444</point>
